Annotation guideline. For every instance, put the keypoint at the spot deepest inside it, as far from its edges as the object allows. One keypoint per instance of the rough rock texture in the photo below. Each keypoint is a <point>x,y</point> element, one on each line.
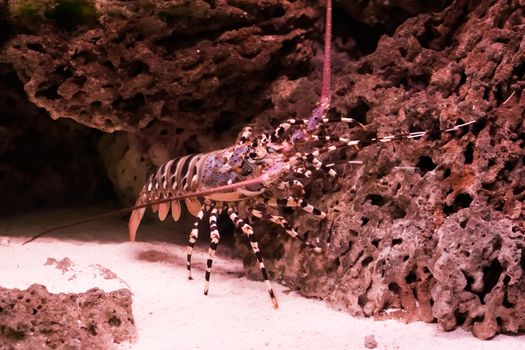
<point>177,72</point>
<point>442,243</point>
<point>36,319</point>
<point>140,62</point>
<point>388,15</point>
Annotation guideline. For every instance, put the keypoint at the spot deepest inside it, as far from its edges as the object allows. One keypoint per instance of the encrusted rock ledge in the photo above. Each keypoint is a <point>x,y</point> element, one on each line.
<point>36,319</point>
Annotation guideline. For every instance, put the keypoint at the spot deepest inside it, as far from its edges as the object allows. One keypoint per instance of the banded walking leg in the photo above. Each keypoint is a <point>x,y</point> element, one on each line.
<point>214,236</point>
<point>287,124</point>
<point>248,231</point>
<point>194,233</point>
<point>262,213</point>
<point>295,203</point>
<point>287,185</point>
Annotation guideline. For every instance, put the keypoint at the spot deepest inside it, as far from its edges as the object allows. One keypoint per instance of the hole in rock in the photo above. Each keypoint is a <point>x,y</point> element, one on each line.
<point>362,300</point>
<point>365,68</point>
<point>460,316</point>
<point>519,70</point>
<point>394,288</point>
<point>478,126</point>
<point>491,275</point>
<point>426,164</point>
<point>367,261</point>
<point>137,67</point>
<point>49,91</point>
<point>411,277</point>
<point>35,47</point>
<point>510,165</point>
<point>461,201</point>
<point>506,303</point>
<point>275,11</point>
<point>469,153</point>
<point>131,104</point>
<point>359,112</point>
<point>365,36</point>
<point>398,212</point>
<point>190,105</point>
<point>376,199</point>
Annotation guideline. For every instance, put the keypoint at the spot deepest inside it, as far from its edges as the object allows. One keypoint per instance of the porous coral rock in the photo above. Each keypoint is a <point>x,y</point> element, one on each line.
<point>36,319</point>
<point>443,241</point>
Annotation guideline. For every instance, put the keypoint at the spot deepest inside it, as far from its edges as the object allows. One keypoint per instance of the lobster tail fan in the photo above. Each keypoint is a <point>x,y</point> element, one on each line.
<point>164,209</point>
<point>193,205</point>
<point>134,222</point>
<point>175,210</point>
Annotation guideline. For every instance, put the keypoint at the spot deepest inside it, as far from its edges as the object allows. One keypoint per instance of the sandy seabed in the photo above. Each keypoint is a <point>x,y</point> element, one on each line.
<point>171,312</point>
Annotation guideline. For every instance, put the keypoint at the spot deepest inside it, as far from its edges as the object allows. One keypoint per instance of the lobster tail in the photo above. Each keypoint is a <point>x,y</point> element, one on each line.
<point>136,217</point>
<point>134,222</point>
<point>175,210</point>
<point>193,205</point>
<point>164,209</point>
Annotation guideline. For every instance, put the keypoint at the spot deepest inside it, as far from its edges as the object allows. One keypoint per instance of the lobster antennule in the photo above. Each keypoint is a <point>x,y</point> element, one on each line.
<point>258,180</point>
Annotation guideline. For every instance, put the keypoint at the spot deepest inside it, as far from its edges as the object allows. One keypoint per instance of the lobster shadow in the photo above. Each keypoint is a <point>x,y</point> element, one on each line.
<point>159,256</point>
<point>178,259</point>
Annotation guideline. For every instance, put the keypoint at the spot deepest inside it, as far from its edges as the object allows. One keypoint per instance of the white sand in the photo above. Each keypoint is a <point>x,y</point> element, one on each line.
<point>172,312</point>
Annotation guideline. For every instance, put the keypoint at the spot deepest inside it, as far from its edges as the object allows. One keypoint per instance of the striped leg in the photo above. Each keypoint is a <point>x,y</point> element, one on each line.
<point>287,124</point>
<point>262,213</point>
<point>318,165</point>
<point>194,233</point>
<point>248,231</point>
<point>215,236</point>
<point>295,203</point>
<point>286,185</point>
<point>303,172</point>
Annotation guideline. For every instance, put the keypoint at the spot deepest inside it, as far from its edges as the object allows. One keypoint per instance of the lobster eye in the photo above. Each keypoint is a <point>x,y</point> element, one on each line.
<point>258,154</point>
<point>261,153</point>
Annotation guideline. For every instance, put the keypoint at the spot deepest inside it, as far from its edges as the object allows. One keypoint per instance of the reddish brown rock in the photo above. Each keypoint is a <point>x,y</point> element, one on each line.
<point>446,242</point>
<point>36,319</point>
<point>185,64</point>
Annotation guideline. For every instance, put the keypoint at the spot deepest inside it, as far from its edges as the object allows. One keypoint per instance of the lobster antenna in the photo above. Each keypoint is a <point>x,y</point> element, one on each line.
<point>324,102</point>
<point>261,179</point>
<point>325,85</point>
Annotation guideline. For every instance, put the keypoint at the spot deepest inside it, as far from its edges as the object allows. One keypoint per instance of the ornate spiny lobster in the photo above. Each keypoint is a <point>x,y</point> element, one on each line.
<point>255,172</point>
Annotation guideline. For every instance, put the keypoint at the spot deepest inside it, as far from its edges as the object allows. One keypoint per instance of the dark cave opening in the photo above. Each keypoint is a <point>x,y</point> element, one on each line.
<point>45,164</point>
